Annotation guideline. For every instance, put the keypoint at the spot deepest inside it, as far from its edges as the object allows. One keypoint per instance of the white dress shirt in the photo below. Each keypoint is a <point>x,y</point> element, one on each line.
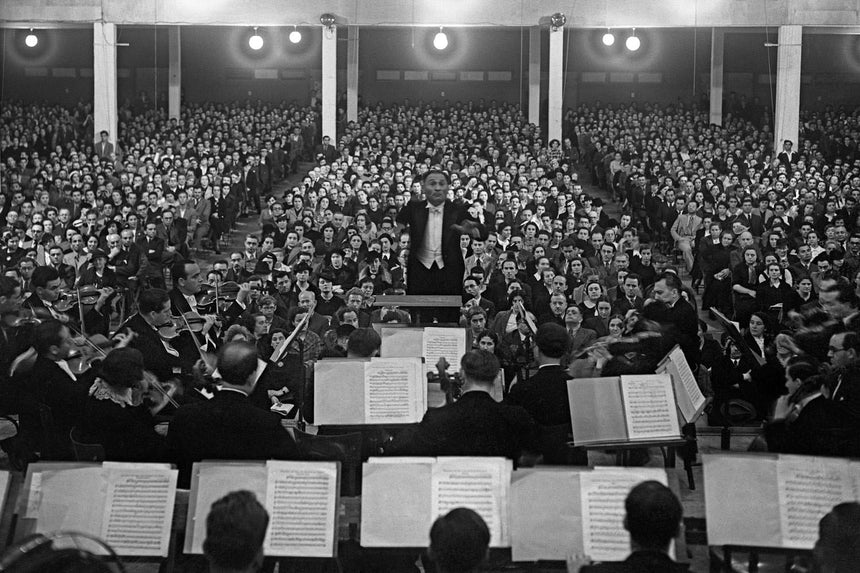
<point>431,247</point>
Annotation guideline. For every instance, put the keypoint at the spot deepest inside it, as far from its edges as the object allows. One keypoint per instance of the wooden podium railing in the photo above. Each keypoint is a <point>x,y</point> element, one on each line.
<point>419,301</point>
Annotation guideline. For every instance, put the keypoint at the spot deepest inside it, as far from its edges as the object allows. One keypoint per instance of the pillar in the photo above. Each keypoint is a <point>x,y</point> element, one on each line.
<point>556,82</point>
<point>329,82</point>
<point>534,75</point>
<point>787,112</point>
<point>174,75</point>
<point>718,38</point>
<point>351,74</point>
<point>104,80</point>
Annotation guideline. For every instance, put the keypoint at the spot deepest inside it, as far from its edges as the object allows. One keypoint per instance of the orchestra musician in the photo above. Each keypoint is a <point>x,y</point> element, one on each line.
<point>159,356</point>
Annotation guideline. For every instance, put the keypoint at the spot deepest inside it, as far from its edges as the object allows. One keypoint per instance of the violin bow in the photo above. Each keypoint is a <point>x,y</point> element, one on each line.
<point>81,312</point>
<point>203,356</point>
<point>282,347</point>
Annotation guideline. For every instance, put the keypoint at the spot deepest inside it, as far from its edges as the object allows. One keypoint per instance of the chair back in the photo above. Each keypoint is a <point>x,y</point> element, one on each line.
<point>85,452</point>
<point>343,448</point>
<point>50,449</point>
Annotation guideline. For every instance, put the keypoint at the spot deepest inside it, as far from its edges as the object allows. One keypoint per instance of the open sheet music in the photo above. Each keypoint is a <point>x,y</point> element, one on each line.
<point>690,399</point>
<point>401,497</point>
<point>130,506</point>
<point>375,391</point>
<point>430,343</point>
<point>558,512</point>
<point>623,409</point>
<point>301,498</point>
<point>774,500</point>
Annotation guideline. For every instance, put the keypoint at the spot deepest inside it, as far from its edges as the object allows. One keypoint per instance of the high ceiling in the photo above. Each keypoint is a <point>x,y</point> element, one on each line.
<point>579,13</point>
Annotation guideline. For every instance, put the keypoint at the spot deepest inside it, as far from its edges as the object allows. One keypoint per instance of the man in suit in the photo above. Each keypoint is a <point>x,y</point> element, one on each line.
<point>153,249</point>
<point>104,148</point>
<point>544,395</point>
<point>653,518</point>
<point>327,150</point>
<point>631,299</point>
<point>202,208</point>
<point>53,384</point>
<point>174,233</point>
<point>159,356</point>
<point>436,265</point>
<point>228,426</point>
<point>579,336</point>
<point>679,315</point>
<point>474,425</point>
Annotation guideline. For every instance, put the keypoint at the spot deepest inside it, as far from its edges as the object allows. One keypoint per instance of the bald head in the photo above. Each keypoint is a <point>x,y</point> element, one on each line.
<point>237,363</point>
<point>746,238</point>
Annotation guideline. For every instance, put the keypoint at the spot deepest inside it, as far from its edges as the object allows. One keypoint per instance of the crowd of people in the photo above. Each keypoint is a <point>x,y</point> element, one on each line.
<point>580,257</point>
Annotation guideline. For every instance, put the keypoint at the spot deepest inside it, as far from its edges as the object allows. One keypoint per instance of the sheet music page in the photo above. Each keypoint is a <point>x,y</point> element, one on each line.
<point>476,483</point>
<point>401,342</point>
<point>138,510</point>
<point>854,470</point>
<point>687,392</point>
<point>395,502</point>
<point>447,342</point>
<point>71,499</point>
<point>602,495</point>
<point>394,392</point>
<point>808,489</point>
<point>217,479</point>
<point>649,406</point>
<point>546,516</point>
<point>339,391</point>
<point>302,501</point>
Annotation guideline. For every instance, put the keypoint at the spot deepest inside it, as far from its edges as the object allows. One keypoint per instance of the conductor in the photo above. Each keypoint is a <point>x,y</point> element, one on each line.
<point>436,265</point>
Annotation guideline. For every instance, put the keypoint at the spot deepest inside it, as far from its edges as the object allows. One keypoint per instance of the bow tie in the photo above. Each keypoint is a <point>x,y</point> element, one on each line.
<point>435,208</point>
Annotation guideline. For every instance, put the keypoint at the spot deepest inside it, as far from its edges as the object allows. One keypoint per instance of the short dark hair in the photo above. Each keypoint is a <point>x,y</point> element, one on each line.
<point>177,269</point>
<point>151,300</point>
<point>235,530</point>
<point>653,515</point>
<point>47,334</point>
<point>237,361</point>
<point>364,342</point>
<point>43,275</point>
<point>838,544</point>
<point>480,365</point>
<point>552,339</point>
<point>459,541</point>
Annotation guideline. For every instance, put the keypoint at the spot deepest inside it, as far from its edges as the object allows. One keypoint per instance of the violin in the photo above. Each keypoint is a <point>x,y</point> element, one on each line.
<point>222,294</point>
<point>188,322</point>
<point>88,351</point>
<point>87,295</point>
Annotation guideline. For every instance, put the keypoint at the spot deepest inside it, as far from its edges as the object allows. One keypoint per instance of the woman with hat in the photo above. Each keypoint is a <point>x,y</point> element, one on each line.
<point>120,407</point>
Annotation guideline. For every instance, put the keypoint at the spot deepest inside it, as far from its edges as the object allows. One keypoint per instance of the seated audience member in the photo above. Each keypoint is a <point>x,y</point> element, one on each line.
<point>459,542</point>
<point>838,547</point>
<point>229,426</point>
<point>120,408</point>
<point>653,518</point>
<point>474,425</point>
<point>235,531</point>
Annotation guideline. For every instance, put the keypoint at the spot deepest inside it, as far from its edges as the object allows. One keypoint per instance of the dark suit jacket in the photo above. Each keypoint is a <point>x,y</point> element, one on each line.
<point>50,385</point>
<point>156,358</point>
<point>544,396</point>
<point>414,216</point>
<point>622,305</point>
<point>639,562</point>
<point>474,425</point>
<point>127,433</point>
<point>152,251</point>
<point>227,427</point>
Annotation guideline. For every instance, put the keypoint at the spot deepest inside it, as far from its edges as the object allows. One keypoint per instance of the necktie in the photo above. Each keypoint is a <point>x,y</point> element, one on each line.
<point>752,275</point>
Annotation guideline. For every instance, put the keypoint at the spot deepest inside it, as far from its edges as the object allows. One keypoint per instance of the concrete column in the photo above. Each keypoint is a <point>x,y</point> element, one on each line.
<point>718,38</point>
<point>104,80</point>
<point>787,112</point>
<point>351,74</point>
<point>329,82</point>
<point>534,75</point>
<point>556,83</point>
<point>174,76</point>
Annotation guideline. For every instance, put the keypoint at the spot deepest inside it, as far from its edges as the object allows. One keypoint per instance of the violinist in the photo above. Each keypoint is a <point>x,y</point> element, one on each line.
<point>53,383</point>
<point>183,299</point>
<point>46,292</point>
<point>120,408</point>
<point>159,355</point>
